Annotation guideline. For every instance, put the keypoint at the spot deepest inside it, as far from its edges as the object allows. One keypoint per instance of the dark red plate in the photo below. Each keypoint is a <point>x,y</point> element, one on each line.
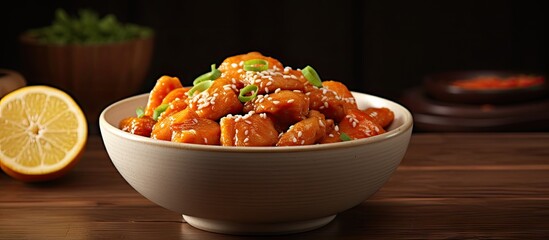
<point>440,87</point>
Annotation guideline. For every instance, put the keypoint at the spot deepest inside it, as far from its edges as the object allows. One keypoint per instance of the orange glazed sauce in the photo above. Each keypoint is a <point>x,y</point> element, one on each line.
<point>284,108</point>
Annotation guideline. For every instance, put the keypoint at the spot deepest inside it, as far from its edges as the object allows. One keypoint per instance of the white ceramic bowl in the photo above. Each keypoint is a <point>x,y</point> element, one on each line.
<point>256,190</point>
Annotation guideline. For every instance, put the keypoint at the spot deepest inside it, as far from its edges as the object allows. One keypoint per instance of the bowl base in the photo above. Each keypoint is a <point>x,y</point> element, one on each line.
<point>227,227</point>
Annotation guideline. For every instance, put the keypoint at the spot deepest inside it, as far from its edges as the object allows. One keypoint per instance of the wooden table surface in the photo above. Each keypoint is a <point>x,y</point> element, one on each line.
<point>449,186</point>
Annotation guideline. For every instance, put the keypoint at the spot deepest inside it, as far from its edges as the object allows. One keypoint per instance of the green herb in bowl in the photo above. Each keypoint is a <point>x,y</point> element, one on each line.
<point>88,28</point>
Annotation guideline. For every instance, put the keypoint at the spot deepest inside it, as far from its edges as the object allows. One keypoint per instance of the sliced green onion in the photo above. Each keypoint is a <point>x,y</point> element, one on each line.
<point>201,78</point>
<point>159,110</point>
<point>140,112</point>
<point>212,75</point>
<point>215,73</point>
<point>344,137</point>
<point>248,89</point>
<point>256,65</point>
<point>310,74</point>
<point>204,85</point>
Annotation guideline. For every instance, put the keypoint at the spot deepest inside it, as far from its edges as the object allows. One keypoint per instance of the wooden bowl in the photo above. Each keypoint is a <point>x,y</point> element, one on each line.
<point>94,74</point>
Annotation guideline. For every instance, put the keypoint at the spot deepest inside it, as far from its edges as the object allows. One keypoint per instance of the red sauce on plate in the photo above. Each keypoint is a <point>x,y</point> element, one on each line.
<point>498,83</point>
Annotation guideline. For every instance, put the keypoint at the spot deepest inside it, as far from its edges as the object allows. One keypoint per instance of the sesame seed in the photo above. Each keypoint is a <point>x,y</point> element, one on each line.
<point>294,139</point>
<point>290,101</point>
<point>302,142</point>
<point>354,124</point>
<point>205,140</point>
<point>234,65</point>
<point>330,135</point>
<point>277,90</point>
<point>203,105</point>
<point>249,114</point>
<point>321,123</point>
<point>299,133</point>
<point>276,102</point>
<point>246,139</point>
<point>246,132</point>
<point>336,128</point>
<point>248,122</point>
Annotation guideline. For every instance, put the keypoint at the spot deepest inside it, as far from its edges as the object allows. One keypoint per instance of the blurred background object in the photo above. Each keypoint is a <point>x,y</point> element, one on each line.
<point>9,81</point>
<point>382,48</point>
<point>96,59</point>
<point>480,101</point>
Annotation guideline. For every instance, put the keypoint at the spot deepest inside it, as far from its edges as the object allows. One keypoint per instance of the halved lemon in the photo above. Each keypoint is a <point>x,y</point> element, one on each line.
<point>43,132</point>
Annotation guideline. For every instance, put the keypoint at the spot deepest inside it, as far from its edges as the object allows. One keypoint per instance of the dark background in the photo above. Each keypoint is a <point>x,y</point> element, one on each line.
<point>377,47</point>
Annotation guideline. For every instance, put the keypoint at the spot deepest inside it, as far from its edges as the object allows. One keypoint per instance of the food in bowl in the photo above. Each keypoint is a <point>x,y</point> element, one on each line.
<point>492,82</point>
<point>252,100</point>
<point>481,87</point>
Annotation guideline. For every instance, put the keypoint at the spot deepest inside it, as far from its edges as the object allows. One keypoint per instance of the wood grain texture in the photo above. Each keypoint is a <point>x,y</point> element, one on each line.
<point>449,186</point>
